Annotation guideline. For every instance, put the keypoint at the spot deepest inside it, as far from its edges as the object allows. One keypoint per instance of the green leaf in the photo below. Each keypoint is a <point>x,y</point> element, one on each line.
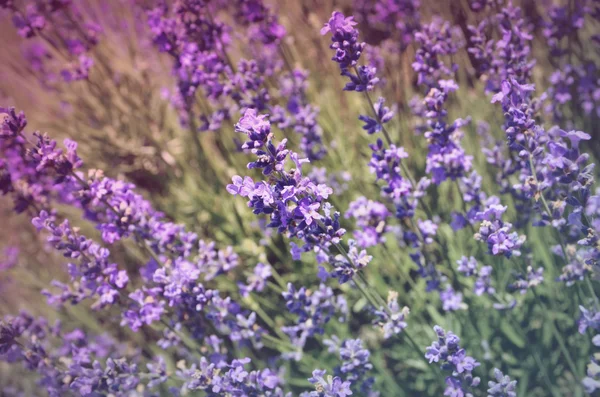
<point>512,335</point>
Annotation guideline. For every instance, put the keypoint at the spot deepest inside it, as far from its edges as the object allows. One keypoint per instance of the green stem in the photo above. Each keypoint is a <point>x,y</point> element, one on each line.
<point>590,287</point>
<point>551,388</point>
<point>559,337</point>
<point>278,278</point>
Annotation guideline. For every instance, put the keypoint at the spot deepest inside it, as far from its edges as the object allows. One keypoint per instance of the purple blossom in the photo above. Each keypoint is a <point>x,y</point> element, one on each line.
<point>467,266</point>
<point>330,387</point>
<point>302,115</point>
<point>230,378</point>
<point>256,127</point>
<point>91,273</point>
<point>589,319</point>
<point>257,280</point>
<point>344,37</point>
<point>364,80</point>
<point>293,202</point>
<point>371,217</point>
<point>386,165</point>
<point>384,115</point>
<point>314,310</point>
<point>451,300</point>
<point>75,36</point>
<point>428,230</point>
<point>356,365</point>
<point>446,158</point>
<point>497,233</point>
<point>524,282</point>
<point>391,320</point>
<point>447,352</point>
<point>503,386</point>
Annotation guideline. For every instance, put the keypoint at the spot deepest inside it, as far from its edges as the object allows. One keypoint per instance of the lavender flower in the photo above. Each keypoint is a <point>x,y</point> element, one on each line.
<point>295,205</point>
<point>314,310</point>
<point>371,219</point>
<point>451,300</point>
<point>93,277</point>
<point>392,319</point>
<point>355,365</point>
<point>230,378</point>
<point>344,37</point>
<point>503,386</point>
<point>385,164</point>
<point>497,233</point>
<point>589,319</point>
<point>428,230</point>
<point>446,158</point>
<point>483,281</point>
<point>303,115</point>
<point>121,213</point>
<point>75,36</point>
<point>384,115</point>
<point>467,266</point>
<point>257,281</point>
<point>330,387</point>
<point>447,352</point>
<point>532,279</point>
<point>181,294</point>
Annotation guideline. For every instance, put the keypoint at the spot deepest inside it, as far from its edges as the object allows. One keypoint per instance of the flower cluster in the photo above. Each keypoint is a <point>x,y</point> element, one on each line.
<point>393,319</point>
<point>574,82</point>
<point>497,234</point>
<point>230,378</point>
<point>446,158</point>
<point>503,386</point>
<point>386,164</point>
<point>314,310</point>
<point>590,319</point>
<point>371,217</point>
<point>295,204</point>
<point>189,31</point>
<point>398,19</point>
<point>483,281</point>
<point>479,213</point>
<point>451,357</point>
<point>172,293</point>
<point>257,280</point>
<point>365,77</point>
<point>302,116</point>
<point>344,41</point>
<point>94,276</point>
<point>355,365</point>
<point>84,361</point>
<point>330,387</point>
<point>76,34</point>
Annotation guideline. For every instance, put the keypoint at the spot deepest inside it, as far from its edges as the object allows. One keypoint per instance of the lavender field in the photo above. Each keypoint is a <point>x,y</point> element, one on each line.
<point>299,198</point>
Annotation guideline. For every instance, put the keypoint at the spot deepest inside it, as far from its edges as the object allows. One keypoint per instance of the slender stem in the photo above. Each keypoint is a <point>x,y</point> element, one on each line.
<point>287,63</point>
<point>279,342</point>
<point>464,207</point>
<point>590,287</point>
<point>266,318</point>
<point>558,336</point>
<point>549,385</point>
<point>278,278</point>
